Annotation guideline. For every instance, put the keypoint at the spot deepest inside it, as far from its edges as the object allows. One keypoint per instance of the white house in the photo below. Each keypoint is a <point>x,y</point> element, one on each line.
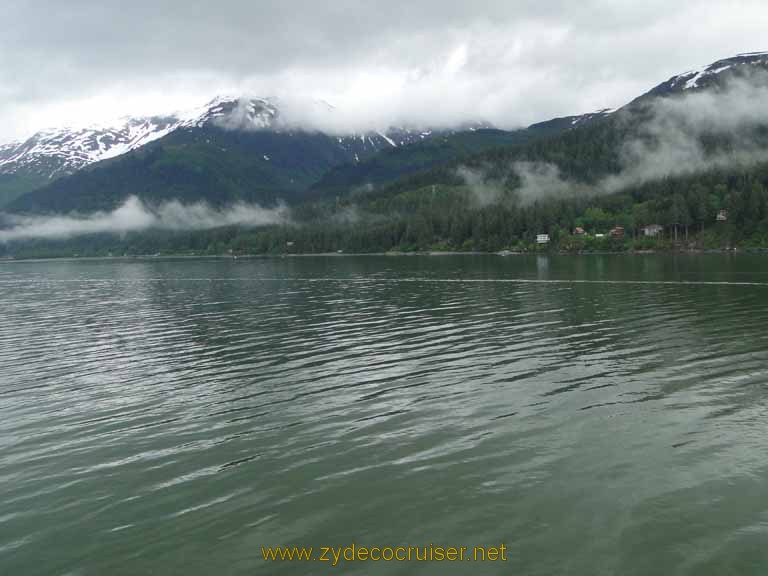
<point>652,230</point>
<point>542,239</point>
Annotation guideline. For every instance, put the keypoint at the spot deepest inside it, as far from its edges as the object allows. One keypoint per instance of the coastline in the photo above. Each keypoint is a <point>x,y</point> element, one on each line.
<point>394,254</point>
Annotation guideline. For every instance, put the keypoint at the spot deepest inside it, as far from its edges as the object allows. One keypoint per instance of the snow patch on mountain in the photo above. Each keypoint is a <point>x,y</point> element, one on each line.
<point>693,78</point>
<point>583,118</point>
<point>63,151</point>
<point>389,140</point>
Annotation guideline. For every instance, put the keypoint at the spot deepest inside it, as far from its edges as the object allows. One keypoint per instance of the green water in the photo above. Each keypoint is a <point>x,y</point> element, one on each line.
<point>596,415</point>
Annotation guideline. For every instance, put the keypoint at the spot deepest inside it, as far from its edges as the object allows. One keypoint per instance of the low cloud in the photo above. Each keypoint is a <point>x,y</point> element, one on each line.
<point>484,191</point>
<point>134,216</point>
<point>532,181</point>
<point>539,180</point>
<point>250,114</point>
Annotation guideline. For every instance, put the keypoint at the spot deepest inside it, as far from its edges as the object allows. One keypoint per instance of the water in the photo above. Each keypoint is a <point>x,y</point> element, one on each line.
<point>596,415</point>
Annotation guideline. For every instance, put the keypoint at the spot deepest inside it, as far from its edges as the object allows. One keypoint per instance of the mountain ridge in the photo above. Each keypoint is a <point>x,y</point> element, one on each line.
<point>53,153</point>
<point>715,74</point>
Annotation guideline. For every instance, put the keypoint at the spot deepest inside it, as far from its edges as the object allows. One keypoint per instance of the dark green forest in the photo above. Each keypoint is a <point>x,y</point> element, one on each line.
<point>442,217</point>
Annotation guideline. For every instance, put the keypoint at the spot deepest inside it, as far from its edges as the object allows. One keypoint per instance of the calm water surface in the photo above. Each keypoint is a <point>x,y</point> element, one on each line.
<point>597,415</point>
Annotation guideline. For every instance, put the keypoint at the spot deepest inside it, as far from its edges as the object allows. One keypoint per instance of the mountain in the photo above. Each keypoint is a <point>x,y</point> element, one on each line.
<point>50,154</point>
<point>245,139</point>
<point>669,158</point>
<point>711,76</point>
<point>690,155</point>
<point>248,149</point>
<point>681,137</point>
<point>57,152</point>
<point>564,123</point>
<point>394,163</point>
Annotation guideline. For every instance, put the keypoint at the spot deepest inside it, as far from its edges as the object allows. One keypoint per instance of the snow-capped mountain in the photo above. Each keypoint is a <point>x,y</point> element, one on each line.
<point>248,114</point>
<point>232,148</point>
<point>57,152</point>
<point>62,151</point>
<point>712,75</point>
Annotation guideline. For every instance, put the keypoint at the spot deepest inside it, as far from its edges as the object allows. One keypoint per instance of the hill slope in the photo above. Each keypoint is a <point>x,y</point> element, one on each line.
<point>392,164</point>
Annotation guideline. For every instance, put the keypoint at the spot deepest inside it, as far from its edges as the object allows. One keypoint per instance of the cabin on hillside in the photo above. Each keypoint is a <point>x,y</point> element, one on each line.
<point>578,231</point>
<point>617,232</point>
<point>652,230</point>
<point>722,216</point>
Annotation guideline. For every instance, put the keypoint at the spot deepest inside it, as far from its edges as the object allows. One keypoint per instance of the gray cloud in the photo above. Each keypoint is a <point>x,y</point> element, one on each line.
<point>433,61</point>
<point>483,191</point>
<point>534,181</point>
<point>134,215</point>
<point>539,180</point>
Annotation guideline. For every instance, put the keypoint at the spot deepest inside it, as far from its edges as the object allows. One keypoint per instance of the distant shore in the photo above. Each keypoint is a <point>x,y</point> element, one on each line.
<point>393,253</point>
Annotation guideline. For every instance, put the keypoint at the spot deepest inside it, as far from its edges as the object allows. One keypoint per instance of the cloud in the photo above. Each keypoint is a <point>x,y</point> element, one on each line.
<point>523,182</point>
<point>134,216</point>
<point>540,180</point>
<point>484,191</point>
<point>436,62</point>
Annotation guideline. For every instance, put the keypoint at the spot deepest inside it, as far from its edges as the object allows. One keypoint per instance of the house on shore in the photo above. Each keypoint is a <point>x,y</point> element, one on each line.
<point>652,230</point>
<point>542,239</point>
<point>617,232</point>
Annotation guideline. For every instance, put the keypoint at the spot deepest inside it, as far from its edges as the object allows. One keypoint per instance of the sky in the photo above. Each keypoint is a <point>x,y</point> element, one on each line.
<point>417,62</point>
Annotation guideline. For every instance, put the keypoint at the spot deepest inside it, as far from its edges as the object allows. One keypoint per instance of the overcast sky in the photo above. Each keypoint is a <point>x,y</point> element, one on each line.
<point>437,62</point>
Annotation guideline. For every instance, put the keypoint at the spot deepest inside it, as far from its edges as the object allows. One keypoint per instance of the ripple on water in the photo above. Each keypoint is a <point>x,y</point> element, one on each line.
<point>151,415</point>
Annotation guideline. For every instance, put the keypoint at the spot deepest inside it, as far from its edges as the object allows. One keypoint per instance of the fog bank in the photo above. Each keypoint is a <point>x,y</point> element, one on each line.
<point>134,215</point>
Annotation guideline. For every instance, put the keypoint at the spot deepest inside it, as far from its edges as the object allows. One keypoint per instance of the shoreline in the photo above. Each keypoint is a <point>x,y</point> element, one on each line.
<point>394,254</point>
